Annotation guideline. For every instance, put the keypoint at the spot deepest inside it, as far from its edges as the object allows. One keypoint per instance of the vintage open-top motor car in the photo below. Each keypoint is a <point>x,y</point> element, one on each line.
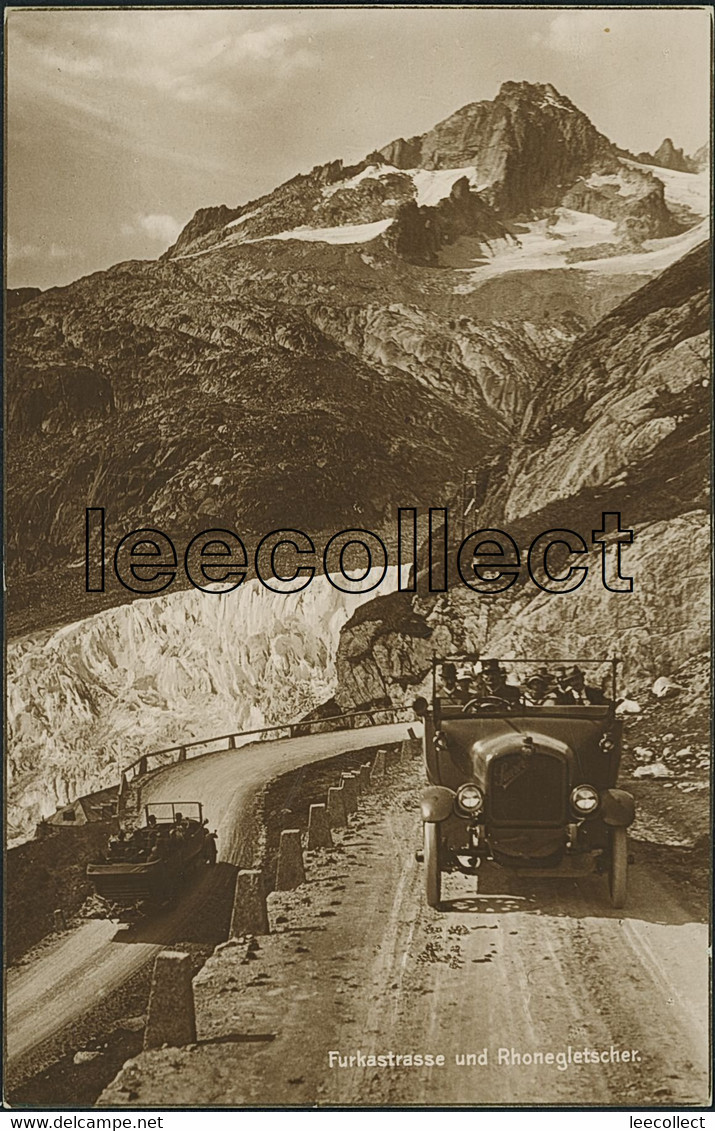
<point>522,768</point>
<point>147,866</point>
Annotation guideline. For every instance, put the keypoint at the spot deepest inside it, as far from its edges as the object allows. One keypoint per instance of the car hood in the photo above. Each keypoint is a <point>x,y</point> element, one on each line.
<point>473,743</point>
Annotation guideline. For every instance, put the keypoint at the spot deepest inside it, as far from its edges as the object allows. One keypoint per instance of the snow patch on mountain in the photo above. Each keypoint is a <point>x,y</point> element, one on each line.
<point>372,172</point>
<point>542,244</point>
<point>579,229</point>
<point>545,245</point>
<point>242,219</point>
<point>656,256</point>
<point>624,186</point>
<point>553,98</point>
<point>346,233</point>
<point>433,185</point>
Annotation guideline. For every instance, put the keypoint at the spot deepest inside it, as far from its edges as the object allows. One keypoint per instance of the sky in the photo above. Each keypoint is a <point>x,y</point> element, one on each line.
<point>121,123</point>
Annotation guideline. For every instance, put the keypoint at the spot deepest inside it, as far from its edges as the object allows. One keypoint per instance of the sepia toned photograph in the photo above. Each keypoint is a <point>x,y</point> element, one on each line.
<point>358,551</point>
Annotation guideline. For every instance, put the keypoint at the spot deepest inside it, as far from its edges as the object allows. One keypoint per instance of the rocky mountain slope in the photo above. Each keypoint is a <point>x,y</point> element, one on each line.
<point>245,378</point>
<point>15,297</point>
<point>177,397</point>
<point>623,424</point>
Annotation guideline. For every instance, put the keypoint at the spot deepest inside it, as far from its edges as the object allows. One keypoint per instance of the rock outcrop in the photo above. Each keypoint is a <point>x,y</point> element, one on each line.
<point>16,296</point>
<point>634,199</point>
<point>668,157</point>
<point>386,650</point>
<point>701,157</point>
<point>201,223</point>
<point>419,234</point>
<point>527,144</point>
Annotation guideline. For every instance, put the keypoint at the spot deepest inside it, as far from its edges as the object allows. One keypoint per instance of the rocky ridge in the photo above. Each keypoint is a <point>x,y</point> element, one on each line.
<point>491,163</point>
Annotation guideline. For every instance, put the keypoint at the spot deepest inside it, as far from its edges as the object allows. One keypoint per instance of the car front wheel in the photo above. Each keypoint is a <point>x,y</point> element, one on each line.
<point>433,873</point>
<point>618,866</point>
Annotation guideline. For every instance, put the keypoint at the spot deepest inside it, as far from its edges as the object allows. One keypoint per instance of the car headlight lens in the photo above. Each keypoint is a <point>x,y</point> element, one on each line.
<point>584,800</point>
<point>470,799</point>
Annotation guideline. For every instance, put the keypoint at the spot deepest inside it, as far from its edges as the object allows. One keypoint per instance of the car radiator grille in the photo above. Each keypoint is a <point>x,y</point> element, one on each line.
<point>117,890</point>
<point>528,789</point>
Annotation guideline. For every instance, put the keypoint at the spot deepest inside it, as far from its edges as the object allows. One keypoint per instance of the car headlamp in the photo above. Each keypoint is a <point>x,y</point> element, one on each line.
<point>584,800</point>
<point>470,799</point>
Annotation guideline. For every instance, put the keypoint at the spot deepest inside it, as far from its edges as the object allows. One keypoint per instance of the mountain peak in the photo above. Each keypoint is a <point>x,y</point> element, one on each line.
<point>526,142</point>
<point>536,92</point>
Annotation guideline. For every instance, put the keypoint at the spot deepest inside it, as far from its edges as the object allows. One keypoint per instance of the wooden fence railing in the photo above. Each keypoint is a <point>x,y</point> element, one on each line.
<point>196,748</point>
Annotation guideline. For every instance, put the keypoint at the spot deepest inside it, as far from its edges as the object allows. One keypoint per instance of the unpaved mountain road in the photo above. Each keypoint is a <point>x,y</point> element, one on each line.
<point>76,972</point>
<point>356,964</point>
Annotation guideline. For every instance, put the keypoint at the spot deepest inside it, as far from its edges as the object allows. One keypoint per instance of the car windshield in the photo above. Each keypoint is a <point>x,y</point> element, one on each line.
<point>169,812</point>
<point>469,682</point>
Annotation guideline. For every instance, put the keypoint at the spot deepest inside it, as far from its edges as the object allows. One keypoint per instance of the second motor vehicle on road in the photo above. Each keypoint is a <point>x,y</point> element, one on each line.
<point>147,866</point>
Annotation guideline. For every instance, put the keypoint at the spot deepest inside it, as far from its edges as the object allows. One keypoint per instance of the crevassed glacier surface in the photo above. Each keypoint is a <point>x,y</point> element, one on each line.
<point>89,698</point>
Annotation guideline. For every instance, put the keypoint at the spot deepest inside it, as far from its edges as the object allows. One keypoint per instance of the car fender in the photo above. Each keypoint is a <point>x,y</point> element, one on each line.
<point>617,807</point>
<point>437,803</point>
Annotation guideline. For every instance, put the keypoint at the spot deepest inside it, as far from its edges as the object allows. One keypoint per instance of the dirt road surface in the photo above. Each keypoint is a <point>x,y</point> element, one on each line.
<point>75,972</point>
<point>358,965</point>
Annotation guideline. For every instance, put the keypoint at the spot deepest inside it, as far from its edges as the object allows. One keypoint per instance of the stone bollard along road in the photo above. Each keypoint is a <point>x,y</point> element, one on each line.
<point>88,963</point>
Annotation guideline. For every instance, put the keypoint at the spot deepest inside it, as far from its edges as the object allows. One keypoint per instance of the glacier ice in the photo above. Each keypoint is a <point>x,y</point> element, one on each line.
<point>89,698</point>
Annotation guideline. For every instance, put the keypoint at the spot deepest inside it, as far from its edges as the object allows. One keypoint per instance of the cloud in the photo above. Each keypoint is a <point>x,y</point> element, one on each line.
<point>226,68</point>
<point>193,56</point>
<point>274,41</point>
<point>576,33</point>
<point>157,226</point>
<point>19,252</point>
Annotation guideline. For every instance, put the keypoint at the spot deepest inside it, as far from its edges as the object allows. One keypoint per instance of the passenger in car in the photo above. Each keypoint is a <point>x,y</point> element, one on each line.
<point>560,693</point>
<point>449,681</point>
<point>575,681</point>
<point>119,847</point>
<point>494,682</point>
<point>464,691</point>
<point>539,686</point>
<point>178,829</point>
